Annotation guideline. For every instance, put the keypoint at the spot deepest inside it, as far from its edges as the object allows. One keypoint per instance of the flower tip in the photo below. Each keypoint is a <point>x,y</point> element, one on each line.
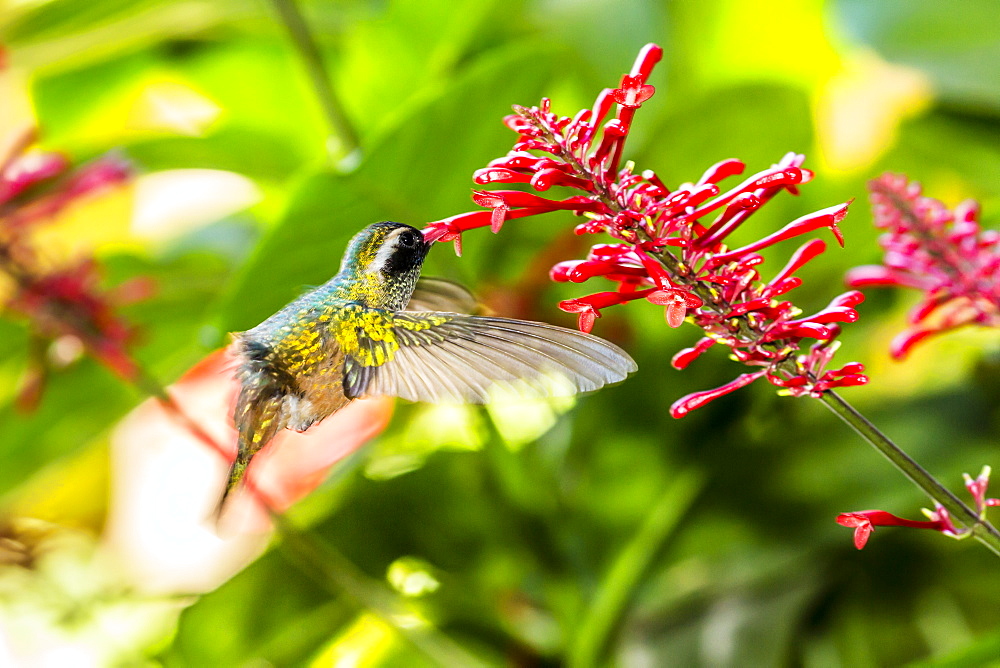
<point>494,201</point>
<point>722,170</point>
<point>674,314</point>
<point>433,232</point>
<point>853,380</point>
<point>841,211</point>
<point>647,59</point>
<point>901,345</point>
<point>862,526</point>
<point>496,220</point>
<point>587,310</point>
<point>487,199</point>
<point>651,51</point>
<point>684,357</point>
<point>677,303</point>
<point>850,520</point>
<point>837,214</point>
<point>861,535</point>
<point>869,274</point>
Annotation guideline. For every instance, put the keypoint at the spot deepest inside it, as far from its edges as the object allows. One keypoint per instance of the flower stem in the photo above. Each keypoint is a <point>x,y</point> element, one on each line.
<point>982,530</point>
<point>303,40</point>
<point>626,572</point>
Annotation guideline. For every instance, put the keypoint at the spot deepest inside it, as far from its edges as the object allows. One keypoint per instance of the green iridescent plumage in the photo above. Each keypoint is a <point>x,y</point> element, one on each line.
<point>376,328</point>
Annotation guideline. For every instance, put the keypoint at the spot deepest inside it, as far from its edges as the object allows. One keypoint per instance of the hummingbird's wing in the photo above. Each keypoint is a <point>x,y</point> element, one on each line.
<point>450,357</point>
<point>440,294</point>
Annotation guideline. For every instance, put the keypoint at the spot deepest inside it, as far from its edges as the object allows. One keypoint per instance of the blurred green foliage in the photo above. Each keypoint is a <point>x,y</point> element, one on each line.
<point>527,543</point>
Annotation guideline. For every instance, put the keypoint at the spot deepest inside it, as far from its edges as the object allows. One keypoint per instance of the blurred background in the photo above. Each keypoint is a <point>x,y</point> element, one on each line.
<point>594,532</point>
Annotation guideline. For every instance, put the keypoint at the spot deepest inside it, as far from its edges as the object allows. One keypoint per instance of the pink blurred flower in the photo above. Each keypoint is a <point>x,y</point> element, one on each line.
<point>37,185</point>
<point>943,253</point>
<point>670,248</point>
<point>169,466</point>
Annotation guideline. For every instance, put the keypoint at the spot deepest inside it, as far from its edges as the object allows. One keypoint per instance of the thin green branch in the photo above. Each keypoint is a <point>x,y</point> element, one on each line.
<point>982,530</point>
<point>340,126</point>
<point>629,568</point>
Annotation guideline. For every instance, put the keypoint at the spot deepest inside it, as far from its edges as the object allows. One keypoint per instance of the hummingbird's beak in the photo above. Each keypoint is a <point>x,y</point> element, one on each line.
<point>427,246</point>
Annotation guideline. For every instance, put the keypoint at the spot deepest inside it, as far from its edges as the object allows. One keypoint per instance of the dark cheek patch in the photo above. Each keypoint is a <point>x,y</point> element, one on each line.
<point>403,260</point>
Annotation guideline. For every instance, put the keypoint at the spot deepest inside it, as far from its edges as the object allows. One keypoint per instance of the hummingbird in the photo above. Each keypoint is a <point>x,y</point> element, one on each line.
<point>378,329</point>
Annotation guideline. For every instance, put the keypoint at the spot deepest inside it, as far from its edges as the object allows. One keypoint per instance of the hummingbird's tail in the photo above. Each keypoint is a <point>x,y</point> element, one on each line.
<point>236,472</point>
<point>259,411</point>
<point>258,422</point>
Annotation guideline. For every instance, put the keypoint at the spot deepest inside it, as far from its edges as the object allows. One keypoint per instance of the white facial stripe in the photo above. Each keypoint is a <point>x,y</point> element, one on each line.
<point>385,251</point>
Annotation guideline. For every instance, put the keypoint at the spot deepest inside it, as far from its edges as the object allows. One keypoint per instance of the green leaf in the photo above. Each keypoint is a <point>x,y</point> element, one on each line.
<point>266,123</point>
<point>67,34</point>
<point>740,628</point>
<point>418,172</point>
<point>982,653</point>
<point>282,629</point>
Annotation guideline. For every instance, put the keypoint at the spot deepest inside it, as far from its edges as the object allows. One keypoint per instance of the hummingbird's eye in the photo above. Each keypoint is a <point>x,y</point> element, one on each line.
<point>408,239</point>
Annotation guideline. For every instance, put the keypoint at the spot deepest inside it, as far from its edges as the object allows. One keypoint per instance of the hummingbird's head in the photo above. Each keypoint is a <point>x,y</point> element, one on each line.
<point>383,263</point>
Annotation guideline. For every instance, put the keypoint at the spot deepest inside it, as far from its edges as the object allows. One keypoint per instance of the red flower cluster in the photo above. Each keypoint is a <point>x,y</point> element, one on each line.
<point>944,254</point>
<point>66,301</point>
<point>670,249</point>
<point>864,522</point>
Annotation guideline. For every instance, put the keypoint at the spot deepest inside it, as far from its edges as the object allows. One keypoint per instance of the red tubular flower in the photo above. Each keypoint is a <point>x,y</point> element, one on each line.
<point>63,301</point>
<point>864,522</point>
<point>944,254</point>
<point>589,307</point>
<point>685,405</point>
<point>670,246</point>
